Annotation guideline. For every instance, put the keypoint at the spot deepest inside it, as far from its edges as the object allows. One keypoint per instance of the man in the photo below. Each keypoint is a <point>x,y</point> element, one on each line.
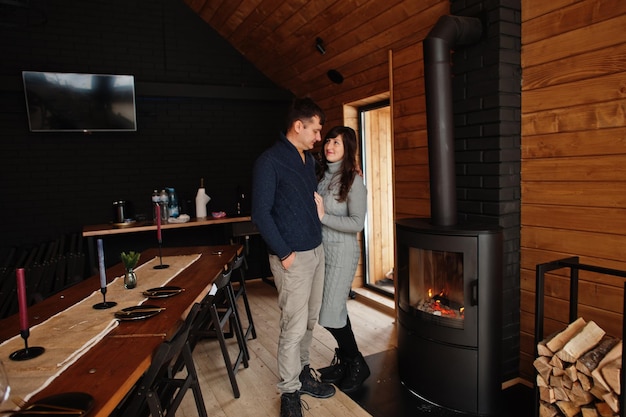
<point>284,211</point>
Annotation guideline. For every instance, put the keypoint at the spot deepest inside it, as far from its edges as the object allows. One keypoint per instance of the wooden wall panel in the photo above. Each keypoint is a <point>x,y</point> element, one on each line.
<point>578,143</point>
<point>573,159</point>
<point>578,93</point>
<point>532,8</point>
<point>411,147</point>
<point>580,14</point>
<point>587,38</point>
<point>590,64</point>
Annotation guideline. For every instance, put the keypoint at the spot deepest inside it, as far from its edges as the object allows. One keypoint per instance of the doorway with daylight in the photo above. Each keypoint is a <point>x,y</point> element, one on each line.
<point>372,121</point>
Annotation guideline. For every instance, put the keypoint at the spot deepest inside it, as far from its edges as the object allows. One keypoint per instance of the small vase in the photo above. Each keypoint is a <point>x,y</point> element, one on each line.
<point>130,279</point>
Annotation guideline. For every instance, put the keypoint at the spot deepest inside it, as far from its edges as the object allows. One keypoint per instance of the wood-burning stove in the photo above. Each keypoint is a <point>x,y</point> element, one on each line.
<point>449,290</point>
<point>449,275</point>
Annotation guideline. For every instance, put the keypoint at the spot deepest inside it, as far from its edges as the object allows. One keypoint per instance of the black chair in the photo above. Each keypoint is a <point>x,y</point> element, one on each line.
<point>160,392</point>
<point>240,292</point>
<point>243,233</point>
<point>219,308</point>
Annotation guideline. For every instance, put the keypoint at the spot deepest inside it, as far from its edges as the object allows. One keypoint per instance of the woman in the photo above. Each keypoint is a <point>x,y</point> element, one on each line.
<point>341,203</point>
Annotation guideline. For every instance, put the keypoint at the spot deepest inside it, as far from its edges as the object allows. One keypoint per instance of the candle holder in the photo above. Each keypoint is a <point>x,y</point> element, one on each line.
<point>104,304</point>
<point>160,265</point>
<point>27,352</point>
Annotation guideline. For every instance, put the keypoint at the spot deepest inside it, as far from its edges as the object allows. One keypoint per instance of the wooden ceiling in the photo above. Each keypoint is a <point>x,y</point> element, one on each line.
<point>279,36</point>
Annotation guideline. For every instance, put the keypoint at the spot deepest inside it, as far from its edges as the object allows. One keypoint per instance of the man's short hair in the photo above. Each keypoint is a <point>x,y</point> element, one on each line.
<point>304,109</point>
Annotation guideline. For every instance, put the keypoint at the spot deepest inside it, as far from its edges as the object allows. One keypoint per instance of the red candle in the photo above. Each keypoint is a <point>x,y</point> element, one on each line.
<point>158,216</point>
<point>21,298</point>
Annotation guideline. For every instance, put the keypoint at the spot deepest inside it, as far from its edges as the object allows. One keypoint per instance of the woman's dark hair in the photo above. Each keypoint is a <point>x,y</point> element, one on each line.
<point>348,169</point>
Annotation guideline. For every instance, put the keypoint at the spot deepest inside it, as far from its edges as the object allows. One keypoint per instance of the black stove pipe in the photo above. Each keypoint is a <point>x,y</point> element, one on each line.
<point>448,32</point>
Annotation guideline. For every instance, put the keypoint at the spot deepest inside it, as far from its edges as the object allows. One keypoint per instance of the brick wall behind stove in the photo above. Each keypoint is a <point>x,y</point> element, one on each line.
<point>487,102</point>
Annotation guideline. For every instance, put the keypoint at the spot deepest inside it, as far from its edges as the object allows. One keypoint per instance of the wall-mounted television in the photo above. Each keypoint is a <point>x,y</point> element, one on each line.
<point>71,102</point>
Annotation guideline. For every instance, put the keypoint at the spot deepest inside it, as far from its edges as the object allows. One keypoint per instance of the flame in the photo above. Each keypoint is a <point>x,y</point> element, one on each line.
<point>439,308</point>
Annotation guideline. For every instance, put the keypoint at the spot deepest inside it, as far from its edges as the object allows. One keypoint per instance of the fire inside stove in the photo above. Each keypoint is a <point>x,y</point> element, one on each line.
<point>436,286</point>
<point>441,305</point>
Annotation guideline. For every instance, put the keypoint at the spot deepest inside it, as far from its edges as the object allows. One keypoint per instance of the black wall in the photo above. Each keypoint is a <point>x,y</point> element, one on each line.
<point>487,112</point>
<point>203,112</point>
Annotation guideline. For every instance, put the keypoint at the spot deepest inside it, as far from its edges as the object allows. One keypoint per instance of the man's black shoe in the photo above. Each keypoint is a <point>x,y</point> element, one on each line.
<point>290,404</point>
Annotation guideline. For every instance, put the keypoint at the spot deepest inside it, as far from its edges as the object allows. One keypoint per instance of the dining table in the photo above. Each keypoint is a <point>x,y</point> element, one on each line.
<point>111,366</point>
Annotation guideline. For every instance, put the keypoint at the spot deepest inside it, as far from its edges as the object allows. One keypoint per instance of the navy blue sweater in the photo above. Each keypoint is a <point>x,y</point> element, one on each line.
<point>283,206</point>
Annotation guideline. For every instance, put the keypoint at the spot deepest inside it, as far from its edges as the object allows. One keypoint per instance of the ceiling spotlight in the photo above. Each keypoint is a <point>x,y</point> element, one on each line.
<point>319,45</point>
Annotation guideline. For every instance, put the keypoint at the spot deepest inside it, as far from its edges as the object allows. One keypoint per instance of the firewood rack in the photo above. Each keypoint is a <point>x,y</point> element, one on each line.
<point>574,266</point>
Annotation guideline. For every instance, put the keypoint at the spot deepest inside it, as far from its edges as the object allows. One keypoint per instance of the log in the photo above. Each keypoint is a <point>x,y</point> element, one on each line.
<point>598,391</point>
<point>559,382</point>
<point>541,382</point>
<point>585,381</point>
<point>546,394</point>
<point>542,347</point>
<point>547,410</point>
<point>556,362</point>
<point>543,350</point>
<point>566,382</point>
<point>604,410</point>
<point>611,373</point>
<point>543,367</point>
<point>589,361</point>
<point>572,373</point>
<point>587,338</point>
<point>579,396</point>
<point>560,394</point>
<point>568,408</point>
<point>589,411</point>
<point>612,401</point>
<point>557,342</point>
<point>614,354</point>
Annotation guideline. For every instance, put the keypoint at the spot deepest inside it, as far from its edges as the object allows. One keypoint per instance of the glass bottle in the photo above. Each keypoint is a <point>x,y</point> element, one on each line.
<point>174,211</point>
<point>155,200</point>
<point>164,199</point>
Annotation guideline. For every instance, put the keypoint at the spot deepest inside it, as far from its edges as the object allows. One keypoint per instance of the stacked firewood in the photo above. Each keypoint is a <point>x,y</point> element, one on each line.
<point>579,372</point>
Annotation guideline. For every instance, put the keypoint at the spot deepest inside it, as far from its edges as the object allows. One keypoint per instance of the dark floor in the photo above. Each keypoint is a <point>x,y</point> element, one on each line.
<point>383,395</point>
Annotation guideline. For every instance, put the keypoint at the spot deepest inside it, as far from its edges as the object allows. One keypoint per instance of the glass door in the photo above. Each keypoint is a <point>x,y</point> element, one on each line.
<point>377,157</point>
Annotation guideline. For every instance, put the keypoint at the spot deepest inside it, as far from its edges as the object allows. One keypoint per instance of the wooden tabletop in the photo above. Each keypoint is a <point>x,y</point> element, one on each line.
<point>111,229</point>
<point>110,369</point>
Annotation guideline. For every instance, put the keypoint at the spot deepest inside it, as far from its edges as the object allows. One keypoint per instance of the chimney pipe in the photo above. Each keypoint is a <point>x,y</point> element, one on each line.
<point>448,32</point>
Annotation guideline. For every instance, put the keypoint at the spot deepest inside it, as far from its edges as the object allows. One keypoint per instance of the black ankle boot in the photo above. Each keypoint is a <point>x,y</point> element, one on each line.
<point>335,372</point>
<point>357,371</point>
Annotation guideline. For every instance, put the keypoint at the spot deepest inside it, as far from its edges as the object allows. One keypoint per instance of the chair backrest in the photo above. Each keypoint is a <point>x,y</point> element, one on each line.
<point>238,261</point>
<point>224,278</point>
<point>164,363</point>
<point>171,349</point>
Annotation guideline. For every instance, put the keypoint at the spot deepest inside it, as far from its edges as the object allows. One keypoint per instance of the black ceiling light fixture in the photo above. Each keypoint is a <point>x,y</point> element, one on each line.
<point>335,76</point>
<point>319,45</point>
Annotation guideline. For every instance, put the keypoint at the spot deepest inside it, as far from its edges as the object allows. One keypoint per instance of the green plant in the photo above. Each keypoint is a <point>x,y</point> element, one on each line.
<point>130,259</point>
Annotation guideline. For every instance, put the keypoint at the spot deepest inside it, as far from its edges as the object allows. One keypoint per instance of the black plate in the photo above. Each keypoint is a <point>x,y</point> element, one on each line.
<point>75,403</point>
<point>162,292</point>
<point>138,312</point>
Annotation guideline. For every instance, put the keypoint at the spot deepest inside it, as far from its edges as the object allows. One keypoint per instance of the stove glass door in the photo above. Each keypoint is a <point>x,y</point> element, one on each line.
<point>436,287</point>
